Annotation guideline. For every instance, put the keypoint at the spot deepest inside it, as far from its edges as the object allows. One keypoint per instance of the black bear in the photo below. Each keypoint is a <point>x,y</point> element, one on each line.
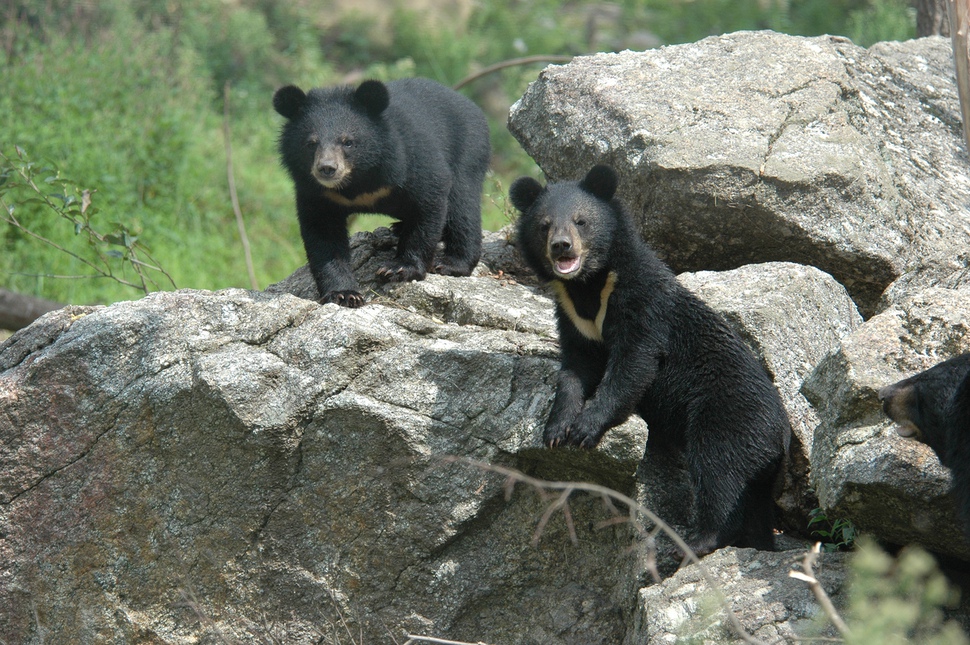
<point>934,407</point>
<point>412,149</point>
<point>633,339</point>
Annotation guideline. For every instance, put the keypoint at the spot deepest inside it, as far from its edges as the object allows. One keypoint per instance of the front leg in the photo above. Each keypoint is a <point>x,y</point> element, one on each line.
<point>581,368</point>
<point>629,372</point>
<point>328,255</point>
<point>419,231</point>
<point>565,408</point>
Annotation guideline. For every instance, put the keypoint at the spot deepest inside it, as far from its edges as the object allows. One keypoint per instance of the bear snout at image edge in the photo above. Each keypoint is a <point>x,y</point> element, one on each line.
<point>933,406</point>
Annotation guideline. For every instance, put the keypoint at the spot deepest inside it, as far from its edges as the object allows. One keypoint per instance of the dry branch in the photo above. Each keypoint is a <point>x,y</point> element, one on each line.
<point>807,575</point>
<point>527,60</point>
<point>439,641</point>
<point>544,488</point>
<point>240,223</point>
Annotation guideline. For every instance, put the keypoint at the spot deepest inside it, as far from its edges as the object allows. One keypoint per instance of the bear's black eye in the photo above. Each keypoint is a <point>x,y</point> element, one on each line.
<point>580,222</point>
<point>544,225</point>
<point>348,143</point>
<point>312,142</point>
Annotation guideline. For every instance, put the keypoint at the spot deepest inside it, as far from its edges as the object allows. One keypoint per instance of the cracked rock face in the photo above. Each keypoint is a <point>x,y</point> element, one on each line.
<point>249,466</point>
<point>757,146</point>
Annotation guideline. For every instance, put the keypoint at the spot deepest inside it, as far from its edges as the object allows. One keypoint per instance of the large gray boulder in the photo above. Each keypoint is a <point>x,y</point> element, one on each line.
<point>757,146</point>
<point>257,466</point>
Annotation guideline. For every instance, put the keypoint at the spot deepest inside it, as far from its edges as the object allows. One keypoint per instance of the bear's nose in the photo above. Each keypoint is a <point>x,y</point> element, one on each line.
<point>884,393</point>
<point>327,170</point>
<point>560,245</point>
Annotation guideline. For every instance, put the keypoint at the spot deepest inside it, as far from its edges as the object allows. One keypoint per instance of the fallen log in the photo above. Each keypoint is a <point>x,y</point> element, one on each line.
<point>17,310</point>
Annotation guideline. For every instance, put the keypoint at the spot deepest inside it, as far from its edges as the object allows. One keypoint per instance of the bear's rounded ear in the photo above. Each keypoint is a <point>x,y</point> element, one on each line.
<point>289,100</point>
<point>523,192</point>
<point>601,181</point>
<point>373,97</point>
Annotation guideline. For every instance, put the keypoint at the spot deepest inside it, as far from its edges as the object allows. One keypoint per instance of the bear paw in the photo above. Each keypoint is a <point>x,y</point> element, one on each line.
<point>701,545</point>
<point>349,298</point>
<point>452,268</point>
<point>583,439</point>
<point>570,434</point>
<point>585,433</point>
<point>555,434</point>
<point>398,271</point>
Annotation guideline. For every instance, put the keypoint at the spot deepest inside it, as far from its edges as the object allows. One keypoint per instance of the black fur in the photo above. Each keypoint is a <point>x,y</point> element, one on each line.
<point>663,354</point>
<point>934,407</point>
<point>412,149</point>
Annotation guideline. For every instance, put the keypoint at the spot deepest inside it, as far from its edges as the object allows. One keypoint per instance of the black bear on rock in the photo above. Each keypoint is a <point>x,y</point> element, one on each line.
<point>412,149</point>
<point>934,407</point>
<point>633,339</point>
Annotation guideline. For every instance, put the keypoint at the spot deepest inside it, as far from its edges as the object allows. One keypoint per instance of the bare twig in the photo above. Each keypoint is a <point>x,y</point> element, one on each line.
<point>561,502</point>
<point>807,575</point>
<point>190,601</point>
<point>527,60</point>
<point>440,641</point>
<point>240,224</point>
<point>567,488</point>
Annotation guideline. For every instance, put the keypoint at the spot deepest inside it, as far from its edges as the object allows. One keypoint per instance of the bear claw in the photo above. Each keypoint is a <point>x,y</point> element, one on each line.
<point>399,272</point>
<point>351,299</point>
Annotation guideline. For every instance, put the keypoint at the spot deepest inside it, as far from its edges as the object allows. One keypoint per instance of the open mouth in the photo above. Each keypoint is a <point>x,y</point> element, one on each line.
<point>566,265</point>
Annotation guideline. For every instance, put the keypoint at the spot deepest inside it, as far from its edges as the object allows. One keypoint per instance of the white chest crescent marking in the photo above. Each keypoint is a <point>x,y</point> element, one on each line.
<point>364,200</point>
<point>591,329</point>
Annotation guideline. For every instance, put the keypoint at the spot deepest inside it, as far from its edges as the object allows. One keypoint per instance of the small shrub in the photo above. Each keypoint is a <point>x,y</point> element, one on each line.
<point>113,252</point>
<point>834,534</point>
<point>899,600</point>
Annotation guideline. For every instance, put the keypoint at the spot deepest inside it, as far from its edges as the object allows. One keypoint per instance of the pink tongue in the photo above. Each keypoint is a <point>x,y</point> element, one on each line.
<point>567,265</point>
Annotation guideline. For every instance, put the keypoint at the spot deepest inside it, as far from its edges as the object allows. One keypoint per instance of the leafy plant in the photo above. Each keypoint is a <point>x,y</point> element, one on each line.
<point>835,534</point>
<point>115,253</point>
<point>881,20</point>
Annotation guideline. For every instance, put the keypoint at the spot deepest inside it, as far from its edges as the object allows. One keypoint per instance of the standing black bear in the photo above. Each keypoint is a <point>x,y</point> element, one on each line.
<point>412,149</point>
<point>934,407</point>
<point>633,339</point>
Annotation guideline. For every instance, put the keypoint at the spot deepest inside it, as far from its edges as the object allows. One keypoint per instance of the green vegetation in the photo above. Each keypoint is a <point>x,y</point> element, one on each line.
<point>116,254</point>
<point>899,600</point>
<point>126,98</point>
<point>835,535</point>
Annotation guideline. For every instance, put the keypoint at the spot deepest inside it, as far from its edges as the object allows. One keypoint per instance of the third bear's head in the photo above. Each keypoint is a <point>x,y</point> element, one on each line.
<point>923,404</point>
<point>566,229</point>
<point>333,134</point>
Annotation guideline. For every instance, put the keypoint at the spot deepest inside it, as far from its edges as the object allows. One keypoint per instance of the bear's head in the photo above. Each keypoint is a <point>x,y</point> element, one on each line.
<point>920,405</point>
<point>333,133</point>
<point>566,229</point>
